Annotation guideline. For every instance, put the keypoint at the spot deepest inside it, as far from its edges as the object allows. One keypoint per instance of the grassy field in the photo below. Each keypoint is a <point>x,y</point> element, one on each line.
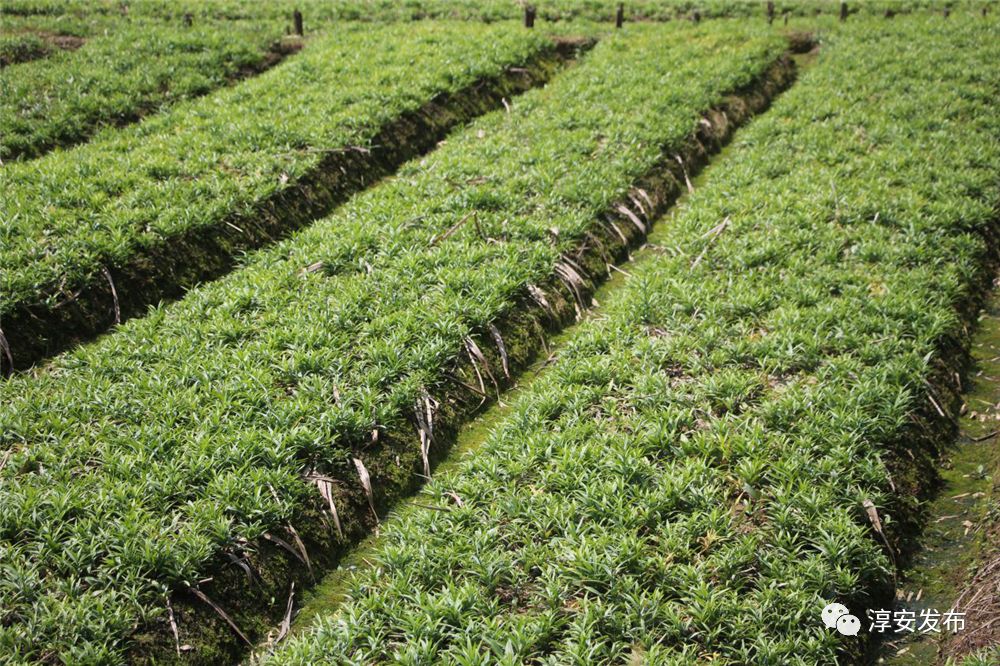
<point>688,481</point>
<point>323,273</point>
<point>135,463</point>
<point>101,231</point>
<point>324,11</point>
<point>117,78</point>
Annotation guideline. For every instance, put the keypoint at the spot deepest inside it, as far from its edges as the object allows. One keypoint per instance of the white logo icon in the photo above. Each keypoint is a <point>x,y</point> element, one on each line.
<point>836,616</point>
<point>832,613</point>
<point>848,625</point>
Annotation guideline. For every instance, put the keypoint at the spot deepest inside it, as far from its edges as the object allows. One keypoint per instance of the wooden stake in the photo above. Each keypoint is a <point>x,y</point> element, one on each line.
<point>770,12</point>
<point>843,11</point>
<point>297,18</point>
<point>529,17</point>
<point>620,16</point>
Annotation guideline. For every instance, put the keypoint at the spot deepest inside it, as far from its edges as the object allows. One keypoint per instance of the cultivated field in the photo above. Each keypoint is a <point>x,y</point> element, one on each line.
<point>134,215</point>
<point>717,276</point>
<point>688,477</point>
<point>63,98</point>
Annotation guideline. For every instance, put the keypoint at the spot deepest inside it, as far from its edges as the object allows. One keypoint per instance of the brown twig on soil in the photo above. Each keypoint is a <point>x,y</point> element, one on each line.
<point>618,232</point>
<point>572,279</point>
<point>687,179</point>
<point>301,547</point>
<point>223,614</point>
<point>424,410</point>
<point>242,564</point>
<point>715,232</point>
<point>876,522</point>
<point>286,622</point>
<point>464,384</point>
<point>5,348</point>
<point>284,544</point>
<point>325,487</point>
<point>495,332</point>
<point>478,358</point>
<point>624,210</point>
<point>173,626</point>
<point>930,396</point>
<point>455,227</point>
<point>539,296</point>
<point>366,484</point>
<point>114,295</point>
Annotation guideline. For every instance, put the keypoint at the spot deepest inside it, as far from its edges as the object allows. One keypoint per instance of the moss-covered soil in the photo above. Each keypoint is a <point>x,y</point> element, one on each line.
<point>962,517</point>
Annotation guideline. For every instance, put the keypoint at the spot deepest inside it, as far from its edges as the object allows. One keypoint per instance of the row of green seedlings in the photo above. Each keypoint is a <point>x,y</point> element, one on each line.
<point>737,440</point>
<point>297,26</point>
<point>530,13</point>
<point>529,17</point>
<point>696,15</point>
<point>267,418</point>
<point>322,12</point>
<point>96,234</point>
<point>81,26</point>
<point>118,78</point>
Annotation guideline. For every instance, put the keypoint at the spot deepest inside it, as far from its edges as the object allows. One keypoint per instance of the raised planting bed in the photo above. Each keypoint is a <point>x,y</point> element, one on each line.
<point>738,438</point>
<point>196,455</point>
<point>96,234</point>
<point>16,48</point>
<point>112,79</point>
